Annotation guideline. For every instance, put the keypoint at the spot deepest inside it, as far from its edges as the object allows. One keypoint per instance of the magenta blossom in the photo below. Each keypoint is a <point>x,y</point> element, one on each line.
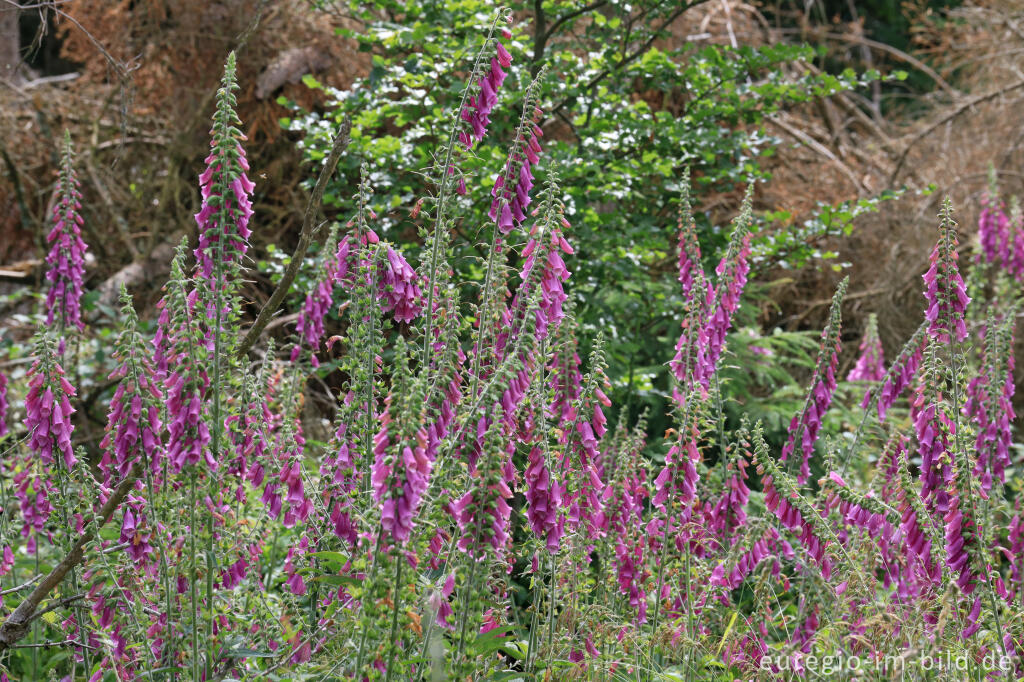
<point>871,363</point>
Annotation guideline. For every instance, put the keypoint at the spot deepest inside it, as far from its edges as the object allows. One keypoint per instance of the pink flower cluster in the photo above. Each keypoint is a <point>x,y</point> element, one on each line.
<point>399,479</point>
<point>553,275</point>
<point>510,202</point>
<point>477,113</point>
<point>396,280</point>
<point>990,405</point>
<point>544,500</point>
<point>766,547</point>
<point>226,170</point>
<point>3,405</point>
<point>994,230</point>
<point>710,311</point>
<point>934,429</point>
<point>48,411</point>
<point>899,377</point>
<point>793,520</point>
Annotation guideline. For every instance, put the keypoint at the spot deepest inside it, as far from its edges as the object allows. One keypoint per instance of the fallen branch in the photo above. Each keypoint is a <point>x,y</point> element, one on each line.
<point>341,141</point>
<point>18,623</point>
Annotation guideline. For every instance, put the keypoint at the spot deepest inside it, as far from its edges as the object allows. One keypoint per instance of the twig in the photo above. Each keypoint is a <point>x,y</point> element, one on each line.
<point>821,149</point>
<point>17,624</point>
<point>341,141</point>
<point>946,119</point>
<point>23,586</point>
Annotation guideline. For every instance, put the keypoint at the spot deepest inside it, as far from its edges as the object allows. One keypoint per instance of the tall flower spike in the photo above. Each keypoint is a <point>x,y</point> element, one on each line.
<point>993,230</point>
<point>223,219</point>
<point>944,288</point>
<point>805,426</point>
<point>66,259</point>
<point>689,246</point>
<point>871,363</point>
<point>732,273</point>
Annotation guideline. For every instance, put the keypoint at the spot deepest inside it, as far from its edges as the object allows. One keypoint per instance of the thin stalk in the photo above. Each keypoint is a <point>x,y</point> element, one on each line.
<point>470,586</point>
<point>360,656</point>
<point>393,639</point>
<point>193,575</point>
<point>443,195</point>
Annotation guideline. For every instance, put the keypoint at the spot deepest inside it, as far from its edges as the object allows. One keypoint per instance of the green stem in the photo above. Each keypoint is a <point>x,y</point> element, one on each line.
<point>393,639</point>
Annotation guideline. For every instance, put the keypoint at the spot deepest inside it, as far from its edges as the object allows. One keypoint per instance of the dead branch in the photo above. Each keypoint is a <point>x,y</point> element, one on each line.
<point>341,141</point>
<point>17,624</point>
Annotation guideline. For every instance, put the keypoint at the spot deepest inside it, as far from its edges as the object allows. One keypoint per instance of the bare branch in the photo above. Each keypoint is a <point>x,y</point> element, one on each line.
<point>341,141</point>
<point>17,624</point>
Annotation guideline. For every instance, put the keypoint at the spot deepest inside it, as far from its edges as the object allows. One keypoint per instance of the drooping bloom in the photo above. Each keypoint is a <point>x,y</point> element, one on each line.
<point>993,231</point>
<point>66,259</point>
<point>871,363</point>
<point>934,429</point>
<point>48,422</point>
<point>709,312</point>
<point>483,512</point>
<point>180,367</point>
<point>477,112</point>
<point>397,283</point>
<point>402,464</point>
<point>902,372</point>
<point>544,500</point>
<point>732,273</point>
<point>781,497</point>
<point>806,424</point>
<point>3,405</point>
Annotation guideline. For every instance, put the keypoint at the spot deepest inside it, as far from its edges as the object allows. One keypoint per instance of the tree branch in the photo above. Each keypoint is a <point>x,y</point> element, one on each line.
<point>341,141</point>
<point>17,624</point>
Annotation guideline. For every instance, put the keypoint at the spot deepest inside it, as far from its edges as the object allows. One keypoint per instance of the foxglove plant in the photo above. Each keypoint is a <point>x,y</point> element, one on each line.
<point>223,219</point>
<point>477,112</point>
<point>66,258</point>
<point>732,273</point>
